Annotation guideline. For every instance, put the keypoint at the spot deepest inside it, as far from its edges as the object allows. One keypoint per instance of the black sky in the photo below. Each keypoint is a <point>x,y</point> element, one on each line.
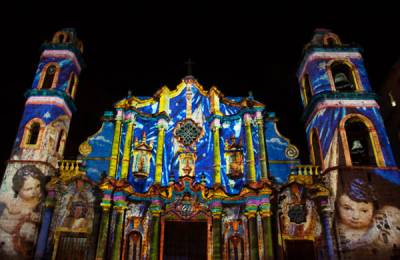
<point>237,48</point>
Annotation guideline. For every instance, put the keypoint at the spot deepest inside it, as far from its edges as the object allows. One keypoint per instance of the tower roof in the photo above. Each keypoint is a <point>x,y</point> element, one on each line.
<point>66,39</point>
<point>324,38</point>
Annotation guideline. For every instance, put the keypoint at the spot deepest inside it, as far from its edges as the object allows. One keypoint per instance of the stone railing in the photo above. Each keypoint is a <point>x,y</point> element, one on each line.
<point>70,168</point>
<point>307,170</point>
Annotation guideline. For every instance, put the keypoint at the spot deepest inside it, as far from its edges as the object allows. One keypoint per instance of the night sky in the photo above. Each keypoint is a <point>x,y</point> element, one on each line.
<point>236,48</point>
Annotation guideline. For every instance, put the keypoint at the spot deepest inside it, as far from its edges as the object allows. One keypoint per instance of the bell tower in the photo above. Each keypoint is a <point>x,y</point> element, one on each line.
<point>40,140</point>
<point>343,122</point>
<point>345,133</point>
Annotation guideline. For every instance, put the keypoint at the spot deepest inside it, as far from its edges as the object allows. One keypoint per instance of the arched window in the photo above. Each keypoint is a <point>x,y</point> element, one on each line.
<point>133,246</point>
<point>331,42</point>
<point>343,77</point>
<point>60,140</point>
<point>316,154</point>
<point>359,142</point>
<point>75,81</point>
<point>307,88</point>
<point>72,84</point>
<point>34,133</point>
<point>49,76</point>
<point>79,45</point>
<point>61,37</point>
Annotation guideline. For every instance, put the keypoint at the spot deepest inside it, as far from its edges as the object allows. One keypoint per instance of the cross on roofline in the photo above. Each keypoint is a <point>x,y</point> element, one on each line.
<point>189,64</point>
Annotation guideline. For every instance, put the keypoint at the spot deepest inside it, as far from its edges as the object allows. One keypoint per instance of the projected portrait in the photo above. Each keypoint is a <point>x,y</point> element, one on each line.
<point>368,221</point>
<point>20,213</point>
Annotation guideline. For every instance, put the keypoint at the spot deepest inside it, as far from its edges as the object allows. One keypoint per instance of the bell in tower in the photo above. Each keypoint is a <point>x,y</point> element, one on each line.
<point>342,83</point>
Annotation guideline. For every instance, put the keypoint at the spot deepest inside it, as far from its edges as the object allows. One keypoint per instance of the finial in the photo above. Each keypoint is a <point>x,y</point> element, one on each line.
<point>251,95</point>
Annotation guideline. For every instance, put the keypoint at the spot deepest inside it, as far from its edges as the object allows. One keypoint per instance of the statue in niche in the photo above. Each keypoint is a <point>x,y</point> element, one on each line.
<point>141,157</point>
<point>187,164</point>
<point>234,158</point>
<point>141,165</point>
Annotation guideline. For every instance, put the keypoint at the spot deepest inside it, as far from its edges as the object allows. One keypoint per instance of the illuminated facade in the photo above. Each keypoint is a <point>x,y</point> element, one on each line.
<point>191,173</point>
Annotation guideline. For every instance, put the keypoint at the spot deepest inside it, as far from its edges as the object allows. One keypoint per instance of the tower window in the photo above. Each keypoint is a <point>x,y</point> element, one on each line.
<point>331,42</point>
<point>49,77</point>
<point>359,143</point>
<point>307,88</point>
<point>316,150</point>
<point>34,133</point>
<point>72,85</point>
<point>342,77</point>
<point>61,38</point>
<point>59,141</point>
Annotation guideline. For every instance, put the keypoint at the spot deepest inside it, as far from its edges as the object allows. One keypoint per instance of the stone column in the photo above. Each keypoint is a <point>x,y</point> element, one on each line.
<point>115,145</point>
<point>261,141</point>
<point>251,175</point>
<point>105,219</point>
<point>325,215</point>
<point>155,210</point>
<point>251,214</point>
<point>46,221</point>
<point>119,207</point>
<point>162,125</point>
<point>130,121</point>
<point>217,242</point>
<point>265,214</point>
<point>215,126</point>
<point>267,236</point>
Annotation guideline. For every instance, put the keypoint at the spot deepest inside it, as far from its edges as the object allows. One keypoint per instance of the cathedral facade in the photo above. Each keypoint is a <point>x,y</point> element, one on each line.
<point>190,173</point>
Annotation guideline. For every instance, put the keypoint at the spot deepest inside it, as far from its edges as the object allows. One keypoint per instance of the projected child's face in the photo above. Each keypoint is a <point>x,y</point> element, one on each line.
<point>355,214</point>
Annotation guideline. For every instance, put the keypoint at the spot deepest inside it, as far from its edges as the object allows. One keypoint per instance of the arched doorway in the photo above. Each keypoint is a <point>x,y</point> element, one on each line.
<point>185,240</point>
<point>186,227</point>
